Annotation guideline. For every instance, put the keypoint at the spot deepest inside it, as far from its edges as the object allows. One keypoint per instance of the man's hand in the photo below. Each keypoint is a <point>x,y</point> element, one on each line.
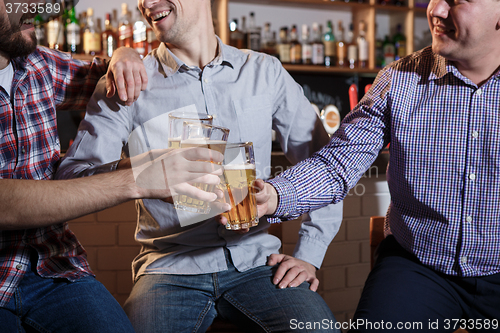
<point>126,74</point>
<point>292,272</point>
<point>266,197</point>
<point>162,173</point>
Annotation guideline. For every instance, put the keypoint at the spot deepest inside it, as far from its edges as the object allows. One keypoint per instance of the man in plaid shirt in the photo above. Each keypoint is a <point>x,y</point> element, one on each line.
<point>46,283</point>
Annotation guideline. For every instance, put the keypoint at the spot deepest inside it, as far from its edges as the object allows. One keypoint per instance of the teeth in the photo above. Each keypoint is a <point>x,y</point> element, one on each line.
<point>161,15</point>
<point>29,21</point>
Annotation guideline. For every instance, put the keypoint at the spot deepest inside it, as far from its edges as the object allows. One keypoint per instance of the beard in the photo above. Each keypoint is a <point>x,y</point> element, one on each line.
<point>13,43</point>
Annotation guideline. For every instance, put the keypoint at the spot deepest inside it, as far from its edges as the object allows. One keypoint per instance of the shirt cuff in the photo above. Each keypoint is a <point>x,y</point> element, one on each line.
<point>287,199</point>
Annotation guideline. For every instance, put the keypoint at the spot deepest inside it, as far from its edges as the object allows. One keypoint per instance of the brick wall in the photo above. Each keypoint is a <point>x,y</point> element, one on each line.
<point>108,237</point>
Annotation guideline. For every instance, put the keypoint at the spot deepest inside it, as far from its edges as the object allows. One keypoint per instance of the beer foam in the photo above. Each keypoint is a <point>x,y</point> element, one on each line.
<point>239,166</point>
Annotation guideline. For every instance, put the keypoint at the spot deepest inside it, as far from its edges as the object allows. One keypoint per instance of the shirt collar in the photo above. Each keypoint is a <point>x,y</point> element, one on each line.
<point>172,64</point>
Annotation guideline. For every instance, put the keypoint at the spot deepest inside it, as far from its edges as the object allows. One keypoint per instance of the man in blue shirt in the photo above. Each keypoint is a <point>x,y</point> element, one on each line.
<point>187,274</point>
<point>439,109</point>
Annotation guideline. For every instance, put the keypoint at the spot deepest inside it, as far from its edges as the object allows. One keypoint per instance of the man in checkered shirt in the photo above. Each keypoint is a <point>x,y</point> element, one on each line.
<point>46,283</point>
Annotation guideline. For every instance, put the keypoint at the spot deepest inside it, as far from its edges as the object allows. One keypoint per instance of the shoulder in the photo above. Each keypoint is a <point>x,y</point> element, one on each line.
<point>245,57</point>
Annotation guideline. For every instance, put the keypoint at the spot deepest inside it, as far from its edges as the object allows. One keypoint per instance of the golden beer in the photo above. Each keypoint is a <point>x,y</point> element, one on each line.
<point>183,201</point>
<point>239,192</point>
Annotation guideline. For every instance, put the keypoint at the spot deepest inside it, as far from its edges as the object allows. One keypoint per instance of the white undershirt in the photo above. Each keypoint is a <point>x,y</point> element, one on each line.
<point>6,77</point>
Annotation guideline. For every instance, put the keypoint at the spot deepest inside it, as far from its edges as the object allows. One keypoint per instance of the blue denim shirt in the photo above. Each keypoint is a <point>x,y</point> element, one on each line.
<point>250,93</point>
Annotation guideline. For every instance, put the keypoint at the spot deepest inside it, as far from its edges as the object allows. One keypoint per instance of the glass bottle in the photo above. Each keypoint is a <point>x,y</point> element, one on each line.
<point>318,49</point>
<point>269,40</point>
<point>109,38</point>
<point>91,35</point>
<point>284,46</point>
<point>254,34</point>
<point>235,35</point>
<point>40,31</point>
<point>55,33</point>
<point>399,43</point>
<point>352,48</point>
<point>125,29</point>
<point>295,47</point>
<point>363,50</point>
<point>73,39</point>
<point>389,51</point>
<point>140,35</point>
<point>306,46</point>
<point>329,42</point>
<point>341,46</point>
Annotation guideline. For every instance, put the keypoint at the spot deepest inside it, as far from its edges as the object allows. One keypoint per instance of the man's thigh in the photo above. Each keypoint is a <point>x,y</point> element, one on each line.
<point>256,302</point>
<point>402,294</point>
<point>81,306</point>
<point>171,303</point>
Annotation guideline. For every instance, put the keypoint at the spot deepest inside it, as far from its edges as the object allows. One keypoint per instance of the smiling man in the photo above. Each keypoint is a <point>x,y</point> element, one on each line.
<point>185,276</point>
<point>439,266</point>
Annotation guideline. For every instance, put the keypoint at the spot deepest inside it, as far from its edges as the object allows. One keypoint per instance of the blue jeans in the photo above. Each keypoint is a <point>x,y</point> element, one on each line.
<point>402,291</point>
<point>58,305</point>
<point>189,303</point>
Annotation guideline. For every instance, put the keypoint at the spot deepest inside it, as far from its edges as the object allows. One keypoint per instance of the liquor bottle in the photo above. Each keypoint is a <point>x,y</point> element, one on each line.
<point>352,48</point>
<point>295,47</point>
<point>253,34</point>
<point>341,46</point>
<point>109,38</point>
<point>269,40</point>
<point>389,51</point>
<point>329,42</point>
<point>140,35</point>
<point>125,29</point>
<point>55,33</point>
<point>362,46</point>
<point>235,35</point>
<point>82,18</point>
<point>40,31</point>
<point>284,46</point>
<point>153,42</point>
<point>91,35</point>
<point>306,46</point>
<point>318,49</point>
<point>73,39</point>
<point>243,29</point>
<point>379,50</point>
<point>399,43</point>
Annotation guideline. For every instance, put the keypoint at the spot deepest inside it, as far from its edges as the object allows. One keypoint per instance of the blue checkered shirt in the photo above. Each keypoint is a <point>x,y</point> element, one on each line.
<point>444,168</point>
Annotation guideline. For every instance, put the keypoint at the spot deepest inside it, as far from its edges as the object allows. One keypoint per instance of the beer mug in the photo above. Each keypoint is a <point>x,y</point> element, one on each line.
<point>238,187</point>
<point>176,121</point>
<point>196,134</point>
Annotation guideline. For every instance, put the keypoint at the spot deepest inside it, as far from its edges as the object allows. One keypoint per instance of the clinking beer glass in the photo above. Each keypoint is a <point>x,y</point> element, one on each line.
<point>196,134</point>
<point>238,187</point>
<point>176,121</point>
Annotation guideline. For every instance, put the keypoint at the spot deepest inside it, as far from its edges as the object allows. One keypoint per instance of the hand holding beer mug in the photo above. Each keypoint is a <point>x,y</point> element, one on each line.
<point>176,121</point>
<point>238,187</point>
<point>199,135</point>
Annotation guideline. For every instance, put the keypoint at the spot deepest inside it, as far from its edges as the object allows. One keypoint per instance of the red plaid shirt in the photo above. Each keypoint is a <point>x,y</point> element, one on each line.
<point>30,149</point>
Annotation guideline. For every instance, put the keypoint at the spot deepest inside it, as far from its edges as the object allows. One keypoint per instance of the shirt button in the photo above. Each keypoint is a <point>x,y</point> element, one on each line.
<point>19,266</point>
<point>463,260</point>
<point>468,218</point>
<point>472,176</point>
<point>479,92</point>
<point>286,214</point>
<point>475,134</point>
<point>23,150</point>
<point>205,80</point>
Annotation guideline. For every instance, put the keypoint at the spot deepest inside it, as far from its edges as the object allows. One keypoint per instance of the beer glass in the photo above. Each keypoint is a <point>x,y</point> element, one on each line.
<point>237,185</point>
<point>196,134</point>
<point>176,121</point>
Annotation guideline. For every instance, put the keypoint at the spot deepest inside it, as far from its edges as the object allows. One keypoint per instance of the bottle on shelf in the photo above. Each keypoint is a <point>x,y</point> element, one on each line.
<point>244,31</point>
<point>295,47</point>
<point>330,47</point>
<point>153,42</point>
<point>40,31</point>
<point>55,33</point>
<point>318,49</point>
<point>236,37</point>
<point>306,46</point>
<point>399,43</point>
<point>363,49</point>
<point>341,46</point>
<point>109,37</point>
<point>389,51</point>
<point>125,29</point>
<point>73,39</point>
<point>284,46</point>
<point>379,50</point>
<point>91,35</point>
<point>140,36</point>
<point>269,40</point>
<point>253,34</point>
<point>352,48</point>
